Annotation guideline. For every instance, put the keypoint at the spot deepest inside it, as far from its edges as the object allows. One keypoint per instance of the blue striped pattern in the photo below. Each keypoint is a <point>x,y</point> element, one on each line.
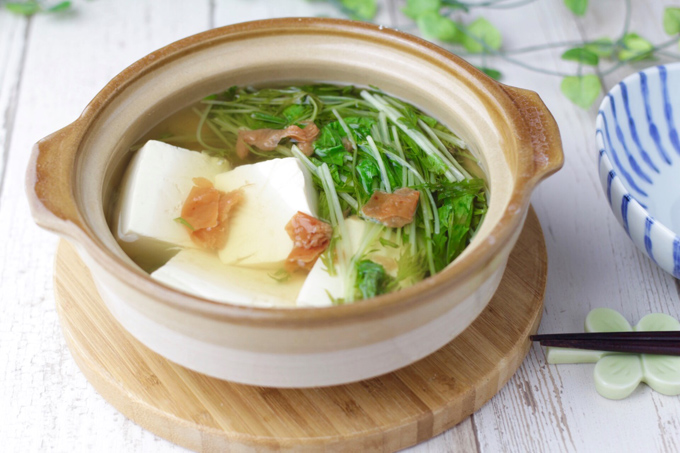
<point>624,212</point>
<point>648,237</point>
<point>653,130</point>
<point>619,134</point>
<point>617,162</point>
<point>639,158</point>
<point>633,129</point>
<point>668,109</point>
<point>610,178</point>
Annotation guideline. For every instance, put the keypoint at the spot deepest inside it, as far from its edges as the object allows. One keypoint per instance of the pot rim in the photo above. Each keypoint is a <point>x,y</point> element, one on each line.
<point>539,154</point>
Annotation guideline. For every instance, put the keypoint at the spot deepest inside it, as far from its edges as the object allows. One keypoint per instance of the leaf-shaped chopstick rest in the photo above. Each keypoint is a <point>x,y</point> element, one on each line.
<point>617,375</point>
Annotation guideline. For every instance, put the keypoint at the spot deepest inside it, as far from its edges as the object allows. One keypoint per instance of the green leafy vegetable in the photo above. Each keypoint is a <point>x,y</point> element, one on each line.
<point>455,217</point>
<point>577,7</point>
<point>295,113</point>
<point>367,141</point>
<point>388,243</point>
<point>581,55</point>
<point>372,280</point>
<point>411,267</point>
<point>481,35</point>
<point>581,90</point>
<point>367,171</point>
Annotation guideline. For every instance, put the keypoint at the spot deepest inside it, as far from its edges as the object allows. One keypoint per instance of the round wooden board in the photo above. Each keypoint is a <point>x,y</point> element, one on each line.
<point>386,413</point>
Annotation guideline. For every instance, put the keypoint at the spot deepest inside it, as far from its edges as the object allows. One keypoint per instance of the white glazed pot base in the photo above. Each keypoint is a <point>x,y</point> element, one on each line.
<point>301,370</point>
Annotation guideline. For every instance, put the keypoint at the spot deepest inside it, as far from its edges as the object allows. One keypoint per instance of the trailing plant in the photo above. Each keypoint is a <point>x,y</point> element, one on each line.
<point>451,23</point>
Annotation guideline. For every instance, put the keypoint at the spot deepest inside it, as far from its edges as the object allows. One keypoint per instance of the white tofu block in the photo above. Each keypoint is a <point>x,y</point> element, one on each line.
<point>273,191</point>
<point>320,286</point>
<point>155,186</point>
<point>202,273</point>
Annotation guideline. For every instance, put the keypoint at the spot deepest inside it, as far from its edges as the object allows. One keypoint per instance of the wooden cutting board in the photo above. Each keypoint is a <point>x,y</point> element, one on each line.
<point>387,413</point>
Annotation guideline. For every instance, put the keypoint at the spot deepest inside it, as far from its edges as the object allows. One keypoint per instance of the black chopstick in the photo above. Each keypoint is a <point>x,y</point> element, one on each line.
<point>663,342</point>
<point>663,335</point>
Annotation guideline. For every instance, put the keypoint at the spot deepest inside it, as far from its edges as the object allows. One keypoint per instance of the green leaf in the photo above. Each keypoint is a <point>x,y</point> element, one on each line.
<point>359,126</point>
<point>493,73</point>
<point>367,170</point>
<point>332,155</point>
<point>481,35</point>
<point>24,8</point>
<point>294,112</point>
<point>434,26</point>
<point>581,55</point>
<point>603,47</point>
<point>455,217</point>
<point>414,8</point>
<point>635,47</point>
<point>411,267</point>
<point>455,4</point>
<point>577,7</point>
<point>372,279</point>
<point>446,189</point>
<point>671,20</point>
<point>59,7</point>
<point>361,9</point>
<point>581,90</point>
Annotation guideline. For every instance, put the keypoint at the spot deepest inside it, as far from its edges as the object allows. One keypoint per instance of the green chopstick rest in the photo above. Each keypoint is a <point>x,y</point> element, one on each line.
<point>616,374</point>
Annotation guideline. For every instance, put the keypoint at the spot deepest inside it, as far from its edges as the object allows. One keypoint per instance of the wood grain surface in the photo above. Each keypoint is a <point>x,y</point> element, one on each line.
<point>387,413</point>
<point>52,65</point>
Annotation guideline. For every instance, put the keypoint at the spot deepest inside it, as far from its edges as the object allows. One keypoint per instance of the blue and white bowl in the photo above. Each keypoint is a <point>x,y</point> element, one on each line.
<point>637,136</point>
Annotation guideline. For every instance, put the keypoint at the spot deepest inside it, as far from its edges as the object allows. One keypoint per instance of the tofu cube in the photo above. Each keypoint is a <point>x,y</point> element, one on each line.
<point>273,191</point>
<point>155,186</point>
<point>201,273</point>
<point>320,286</point>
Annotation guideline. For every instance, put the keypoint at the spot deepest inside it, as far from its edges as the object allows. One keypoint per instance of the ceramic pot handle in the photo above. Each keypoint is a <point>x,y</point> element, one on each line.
<point>542,130</point>
<point>49,181</point>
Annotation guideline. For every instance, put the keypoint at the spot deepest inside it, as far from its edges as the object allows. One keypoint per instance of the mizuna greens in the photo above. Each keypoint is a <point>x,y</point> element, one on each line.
<point>368,141</point>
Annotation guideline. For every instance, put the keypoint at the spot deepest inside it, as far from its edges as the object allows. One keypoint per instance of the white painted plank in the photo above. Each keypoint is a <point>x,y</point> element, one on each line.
<point>12,45</point>
<point>46,402</point>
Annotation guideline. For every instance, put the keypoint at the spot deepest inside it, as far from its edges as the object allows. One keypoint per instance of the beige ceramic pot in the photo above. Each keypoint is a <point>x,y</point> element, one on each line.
<point>72,173</point>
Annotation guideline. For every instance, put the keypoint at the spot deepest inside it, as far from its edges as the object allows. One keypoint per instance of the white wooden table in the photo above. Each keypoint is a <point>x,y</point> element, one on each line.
<point>51,66</point>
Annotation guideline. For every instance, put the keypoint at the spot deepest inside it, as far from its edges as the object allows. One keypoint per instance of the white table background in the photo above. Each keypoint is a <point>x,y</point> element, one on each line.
<point>52,65</point>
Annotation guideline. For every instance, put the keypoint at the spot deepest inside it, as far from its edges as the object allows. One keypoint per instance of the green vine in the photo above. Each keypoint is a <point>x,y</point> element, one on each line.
<point>448,23</point>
